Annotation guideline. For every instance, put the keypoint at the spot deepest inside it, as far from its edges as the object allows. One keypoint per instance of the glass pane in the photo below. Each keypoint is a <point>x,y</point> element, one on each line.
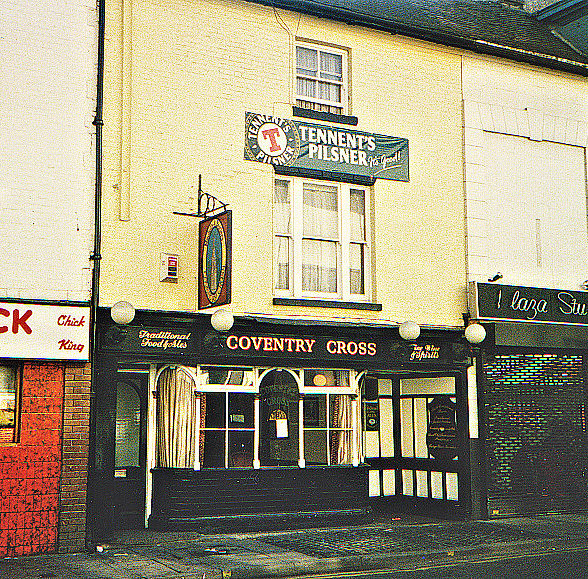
<point>213,442</point>
<point>320,211</point>
<point>331,66</point>
<point>320,378</point>
<point>406,419</point>
<point>315,446</point>
<point>7,396</point>
<point>240,449</point>
<point>357,214</point>
<point>315,411</point>
<point>341,447</point>
<point>340,410</point>
<point>329,92</point>
<point>128,426</point>
<point>306,61</point>
<point>213,407</point>
<point>319,266</point>
<point>227,376</point>
<point>282,257</point>
<point>439,385</point>
<point>356,269</point>
<point>282,206</point>
<point>240,410</point>
<point>306,87</point>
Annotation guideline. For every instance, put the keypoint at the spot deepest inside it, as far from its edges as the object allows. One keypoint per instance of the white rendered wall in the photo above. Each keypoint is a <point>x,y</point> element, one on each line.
<point>47,101</point>
<point>525,174</point>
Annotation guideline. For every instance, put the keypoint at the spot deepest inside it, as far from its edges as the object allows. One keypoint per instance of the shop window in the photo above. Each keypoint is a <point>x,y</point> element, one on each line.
<point>227,417</point>
<point>9,402</point>
<point>176,419</point>
<point>328,429</point>
<point>227,429</point>
<point>321,247</point>
<point>321,78</point>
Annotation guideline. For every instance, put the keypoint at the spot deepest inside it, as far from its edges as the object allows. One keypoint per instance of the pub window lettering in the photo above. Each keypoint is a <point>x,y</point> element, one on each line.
<point>9,403</point>
<point>321,78</point>
<point>321,233</point>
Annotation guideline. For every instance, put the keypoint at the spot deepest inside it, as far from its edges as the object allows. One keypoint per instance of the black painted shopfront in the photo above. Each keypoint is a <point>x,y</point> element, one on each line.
<point>533,399</point>
<point>276,419</point>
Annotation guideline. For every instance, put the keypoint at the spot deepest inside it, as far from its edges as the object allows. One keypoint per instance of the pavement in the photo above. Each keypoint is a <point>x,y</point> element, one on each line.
<point>398,542</point>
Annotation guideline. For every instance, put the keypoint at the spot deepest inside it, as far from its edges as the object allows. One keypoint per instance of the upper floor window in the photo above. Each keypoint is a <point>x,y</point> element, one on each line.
<point>9,403</point>
<point>321,78</point>
<point>321,247</point>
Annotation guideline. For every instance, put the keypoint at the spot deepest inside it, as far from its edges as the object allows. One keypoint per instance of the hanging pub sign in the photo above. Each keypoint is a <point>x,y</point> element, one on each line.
<point>214,261</point>
<point>303,145</point>
<point>488,301</point>
<point>442,428</point>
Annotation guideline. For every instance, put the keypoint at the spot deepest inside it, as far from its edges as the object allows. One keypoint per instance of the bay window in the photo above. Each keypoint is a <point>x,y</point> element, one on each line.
<point>321,237</point>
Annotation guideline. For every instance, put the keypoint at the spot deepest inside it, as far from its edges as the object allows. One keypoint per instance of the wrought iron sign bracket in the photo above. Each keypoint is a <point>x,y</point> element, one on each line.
<point>207,204</point>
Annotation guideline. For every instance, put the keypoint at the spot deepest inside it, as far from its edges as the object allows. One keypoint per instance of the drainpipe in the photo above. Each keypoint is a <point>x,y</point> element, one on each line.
<point>96,257</point>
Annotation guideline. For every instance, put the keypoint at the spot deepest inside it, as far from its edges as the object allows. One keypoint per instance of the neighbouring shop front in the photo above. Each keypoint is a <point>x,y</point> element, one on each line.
<point>274,419</point>
<point>533,398</point>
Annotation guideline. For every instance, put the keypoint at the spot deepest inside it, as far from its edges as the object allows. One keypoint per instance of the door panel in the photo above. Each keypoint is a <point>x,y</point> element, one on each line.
<point>130,452</point>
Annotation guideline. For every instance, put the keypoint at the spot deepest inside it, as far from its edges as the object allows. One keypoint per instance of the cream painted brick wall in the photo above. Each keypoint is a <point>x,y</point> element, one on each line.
<point>197,67</point>
<point>525,145</point>
<point>47,99</point>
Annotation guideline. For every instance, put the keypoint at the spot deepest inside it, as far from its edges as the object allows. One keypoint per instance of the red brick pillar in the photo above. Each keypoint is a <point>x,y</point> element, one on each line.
<point>74,476</point>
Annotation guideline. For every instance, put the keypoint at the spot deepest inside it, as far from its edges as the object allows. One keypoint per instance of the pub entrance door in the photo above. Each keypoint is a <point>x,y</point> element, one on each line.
<point>130,451</point>
<point>415,441</point>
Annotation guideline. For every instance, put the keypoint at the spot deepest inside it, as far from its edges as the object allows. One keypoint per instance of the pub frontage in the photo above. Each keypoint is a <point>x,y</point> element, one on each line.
<point>274,419</point>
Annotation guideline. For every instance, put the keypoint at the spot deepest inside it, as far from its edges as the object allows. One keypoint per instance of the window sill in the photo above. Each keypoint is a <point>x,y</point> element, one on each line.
<point>324,116</point>
<point>310,303</point>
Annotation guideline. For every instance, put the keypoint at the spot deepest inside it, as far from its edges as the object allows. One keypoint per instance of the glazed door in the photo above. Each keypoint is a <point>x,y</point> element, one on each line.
<point>130,451</point>
<point>415,435</point>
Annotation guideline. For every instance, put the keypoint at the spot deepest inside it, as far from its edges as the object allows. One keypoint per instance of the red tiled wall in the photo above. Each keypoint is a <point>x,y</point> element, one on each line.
<point>30,469</point>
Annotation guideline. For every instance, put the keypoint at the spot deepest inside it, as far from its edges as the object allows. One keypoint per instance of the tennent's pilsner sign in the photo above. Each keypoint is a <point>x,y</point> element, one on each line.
<point>285,142</point>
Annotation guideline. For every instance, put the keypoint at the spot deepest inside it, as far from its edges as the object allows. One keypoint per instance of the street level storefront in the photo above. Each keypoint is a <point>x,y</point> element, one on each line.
<point>533,398</point>
<point>274,418</point>
<point>44,422</point>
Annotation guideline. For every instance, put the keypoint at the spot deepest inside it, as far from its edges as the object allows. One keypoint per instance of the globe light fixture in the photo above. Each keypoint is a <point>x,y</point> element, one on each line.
<point>222,320</point>
<point>409,331</point>
<point>122,313</point>
<point>475,333</point>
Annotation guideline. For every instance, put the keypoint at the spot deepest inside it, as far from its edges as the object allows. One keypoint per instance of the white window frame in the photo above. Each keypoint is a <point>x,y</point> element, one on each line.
<point>316,102</point>
<point>295,236</point>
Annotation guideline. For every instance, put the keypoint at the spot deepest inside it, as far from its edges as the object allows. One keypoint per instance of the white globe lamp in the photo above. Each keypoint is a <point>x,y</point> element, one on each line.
<point>409,331</point>
<point>222,320</point>
<point>475,333</point>
<point>122,313</point>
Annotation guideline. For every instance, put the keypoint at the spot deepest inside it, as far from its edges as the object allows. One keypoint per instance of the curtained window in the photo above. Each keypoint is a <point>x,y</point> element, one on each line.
<point>220,417</point>
<point>321,77</point>
<point>176,419</point>
<point>328,420</point>
<point>321,238</point>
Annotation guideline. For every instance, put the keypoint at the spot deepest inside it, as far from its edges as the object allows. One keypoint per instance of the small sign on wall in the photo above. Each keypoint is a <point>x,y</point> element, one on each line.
<point>214,261</point>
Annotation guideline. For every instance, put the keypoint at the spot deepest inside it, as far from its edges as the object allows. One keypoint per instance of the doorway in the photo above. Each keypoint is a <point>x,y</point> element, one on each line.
<point>130,451</point>
<point>415,441</point>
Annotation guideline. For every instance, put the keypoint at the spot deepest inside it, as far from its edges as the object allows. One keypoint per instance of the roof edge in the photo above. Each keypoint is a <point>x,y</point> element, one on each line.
<point>320,10</point>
